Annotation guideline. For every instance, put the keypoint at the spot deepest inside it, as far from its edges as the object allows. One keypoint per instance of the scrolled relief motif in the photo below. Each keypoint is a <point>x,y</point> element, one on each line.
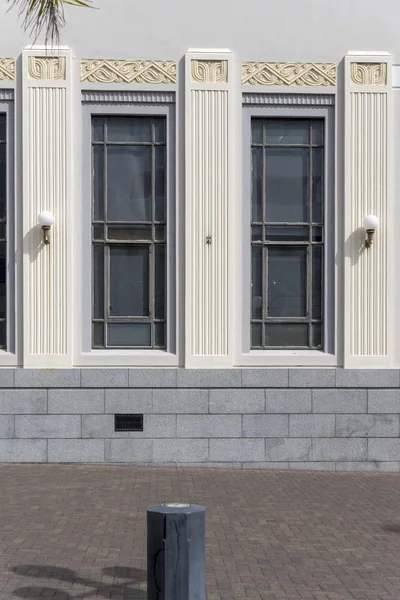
<point>209,71</point>
<point>368,73</point>
<point>7,68</point>
<point>44,67</point>
<point>128,71</point>
<point>257,73</point>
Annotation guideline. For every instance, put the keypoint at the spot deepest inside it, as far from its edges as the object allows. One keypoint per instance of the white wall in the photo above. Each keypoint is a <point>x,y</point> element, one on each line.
<point>288,30</point>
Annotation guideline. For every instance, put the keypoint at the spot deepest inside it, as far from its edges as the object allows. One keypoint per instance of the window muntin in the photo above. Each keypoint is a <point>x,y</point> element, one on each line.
<point>287,232</point>
<point>3,228</point>
<point>129,232</point>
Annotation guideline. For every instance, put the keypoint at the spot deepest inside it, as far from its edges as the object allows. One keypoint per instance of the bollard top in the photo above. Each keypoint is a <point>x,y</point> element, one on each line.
<point>175,508</point>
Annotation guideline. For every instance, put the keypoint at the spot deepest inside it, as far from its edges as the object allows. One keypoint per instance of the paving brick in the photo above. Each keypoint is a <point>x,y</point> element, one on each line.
<point>128,451</point>
<point>289,449</point>
<point>46,378</point>
<point>383,467</point>
<point>129,401</point>
<point>174,450</point>
<point>374,378</point>
<point>237,450</point>
<point>339,449</point>
<point>152,378</point>
<point>237,401</point>
<point>311,426</point>
<point>107,378</point>
<point>82,451</point>
<point>384,401</point>
<point>47,426</point>
<point>265,425</point>
<point>20,451</point>
<point>207,426</point>
<point>102,426</point>
<point>14,402</point>
<point>180,401</point>
<point>75,401</point>
<point>367,425</point>
<point>288,401</point>
<point>384,449</point>
<point>310,378</point>
<point>339,401</point>
<point>265,378</point>
<point>213,378</point>
<point>6,426</point>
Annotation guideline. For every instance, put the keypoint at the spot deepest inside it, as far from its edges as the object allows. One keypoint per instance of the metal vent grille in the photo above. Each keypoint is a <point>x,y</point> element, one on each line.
<point>128,422</point>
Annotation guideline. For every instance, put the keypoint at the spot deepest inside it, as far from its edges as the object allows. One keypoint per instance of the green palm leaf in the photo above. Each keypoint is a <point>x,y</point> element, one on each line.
<point>45,15</point>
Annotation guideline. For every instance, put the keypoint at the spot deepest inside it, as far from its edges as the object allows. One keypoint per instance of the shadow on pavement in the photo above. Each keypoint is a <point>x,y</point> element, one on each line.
<point>124,590</point>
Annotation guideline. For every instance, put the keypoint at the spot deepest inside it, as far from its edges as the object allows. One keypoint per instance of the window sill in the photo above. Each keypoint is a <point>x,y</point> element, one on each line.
<point>126,358</point>
<point>8,359</point>
<point>286,358</point>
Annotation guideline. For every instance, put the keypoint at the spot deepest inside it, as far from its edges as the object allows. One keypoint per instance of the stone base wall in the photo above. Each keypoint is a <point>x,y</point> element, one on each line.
<point>324,419</point>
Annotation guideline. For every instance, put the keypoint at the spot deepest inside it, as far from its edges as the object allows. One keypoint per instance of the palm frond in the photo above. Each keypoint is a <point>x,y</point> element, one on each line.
<point>44,15</point>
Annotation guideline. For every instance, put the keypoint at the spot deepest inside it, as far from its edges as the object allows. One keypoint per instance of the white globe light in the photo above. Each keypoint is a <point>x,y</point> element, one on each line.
<point>371,222</point>
<point>45,219</point>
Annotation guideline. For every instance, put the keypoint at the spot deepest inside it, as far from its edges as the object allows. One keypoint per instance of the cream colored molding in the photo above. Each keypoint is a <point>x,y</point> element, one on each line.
<point>128,71</point>
<point>45,67</point>
<point>369,297</point>
<point>7,68</point>
<point>305,74</point>
<point>368,73</point>
<point>209,189</point>
<point>47,126</point>
<point>209,71</point>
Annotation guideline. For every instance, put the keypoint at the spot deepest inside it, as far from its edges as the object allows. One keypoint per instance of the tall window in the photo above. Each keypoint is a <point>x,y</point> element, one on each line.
<point>287,233</point>
<point>3,247</point>
<point>129,232</point>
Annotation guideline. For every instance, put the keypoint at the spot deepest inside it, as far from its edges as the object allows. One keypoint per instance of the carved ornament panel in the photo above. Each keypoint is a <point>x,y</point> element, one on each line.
<point>7,68</point>
<point>45,67</point>
<point>305,74</point>
<point>209,71</point>
<point>128,71</point>
<point>368,73</point>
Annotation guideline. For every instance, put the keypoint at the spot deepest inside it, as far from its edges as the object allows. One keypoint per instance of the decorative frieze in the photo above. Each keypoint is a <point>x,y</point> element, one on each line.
<point>363,73</point>
<point>7,68</point>
<point>128,71</point>
<point>49,68</point>
<point>209,71</point>
<point>305,74</point>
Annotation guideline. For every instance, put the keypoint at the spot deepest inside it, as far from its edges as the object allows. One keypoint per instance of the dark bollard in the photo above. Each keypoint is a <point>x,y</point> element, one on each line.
<point>176,552</point>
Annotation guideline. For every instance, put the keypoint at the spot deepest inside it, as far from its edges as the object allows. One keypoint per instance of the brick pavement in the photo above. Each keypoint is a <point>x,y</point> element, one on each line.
<point>79,532</point>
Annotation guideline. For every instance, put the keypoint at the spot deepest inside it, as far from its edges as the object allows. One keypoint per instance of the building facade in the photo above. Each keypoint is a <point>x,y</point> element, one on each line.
<point>186,269</point>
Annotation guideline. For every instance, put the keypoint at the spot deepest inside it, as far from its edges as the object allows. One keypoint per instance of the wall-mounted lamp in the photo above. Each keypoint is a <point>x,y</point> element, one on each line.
<point>46,220</point>
<point>370,224</point>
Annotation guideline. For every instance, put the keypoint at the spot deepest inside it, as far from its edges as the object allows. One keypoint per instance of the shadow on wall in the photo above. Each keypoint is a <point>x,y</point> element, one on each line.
<point>355,245</point>
<point>126,589</point>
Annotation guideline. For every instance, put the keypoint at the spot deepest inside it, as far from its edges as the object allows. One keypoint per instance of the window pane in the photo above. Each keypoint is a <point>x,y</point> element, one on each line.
<point>316,282</point>
<point>256,188</point>
<point>3,181</point>
<point>159,233</point>
<point>98,335</point>
<point>317,132</point>
<point>287,282</point>
<point>256,283</point>
<point>287,131</point>
<point>159,130</point>
<point>3,125</point>
<point>287,184</point>
<point>317,234</point>
<point>129,281</point>
<point>159,334</point>
<point>160,184</point>
<point>256,335</point>
<point>126,232</point>
<point>98,129</point>
<point>3,334</point>
<point>98,281</point>
<point>317,335</point>
<point>129,129</point>
<point>129,174</point>
<point>286,334</point>
<point>98,232</point>
<point>317,185</point>
<point>128,334</point>
<point>257,131</point>
<point>287,234</point>
<point>159,281</point>
<point>98,183</point>
<point>256,233</point>
<point>3,280</point>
